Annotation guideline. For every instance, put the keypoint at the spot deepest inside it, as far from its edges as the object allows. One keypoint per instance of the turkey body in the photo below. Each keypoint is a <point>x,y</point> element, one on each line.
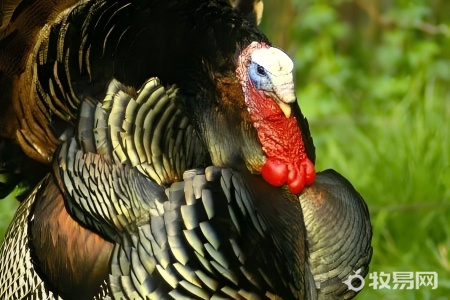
<point>132,207</point>
<point>208,236</point>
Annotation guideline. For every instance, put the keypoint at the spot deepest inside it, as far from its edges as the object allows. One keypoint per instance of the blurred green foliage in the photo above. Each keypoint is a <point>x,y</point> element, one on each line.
<point>8,207</point>
<point>373,79</point>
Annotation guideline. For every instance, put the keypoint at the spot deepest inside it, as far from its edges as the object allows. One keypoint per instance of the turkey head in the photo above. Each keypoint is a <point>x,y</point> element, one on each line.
<point>267,81</point>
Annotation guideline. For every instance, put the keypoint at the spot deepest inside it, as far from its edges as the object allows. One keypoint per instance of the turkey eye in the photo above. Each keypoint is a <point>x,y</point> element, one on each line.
<point>261,71</point>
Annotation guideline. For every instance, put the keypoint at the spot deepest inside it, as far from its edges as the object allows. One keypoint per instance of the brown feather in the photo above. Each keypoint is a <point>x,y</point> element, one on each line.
<point>68,255</point>
<point>19,29</point>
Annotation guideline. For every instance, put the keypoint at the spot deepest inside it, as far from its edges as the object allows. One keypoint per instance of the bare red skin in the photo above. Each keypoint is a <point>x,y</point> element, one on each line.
<point>280,137</point>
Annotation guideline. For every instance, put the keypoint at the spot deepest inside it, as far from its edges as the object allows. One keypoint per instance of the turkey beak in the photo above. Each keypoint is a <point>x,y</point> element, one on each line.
<point>284,93</point>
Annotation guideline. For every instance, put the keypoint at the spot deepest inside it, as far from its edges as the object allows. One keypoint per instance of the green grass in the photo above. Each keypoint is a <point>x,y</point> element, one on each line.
<point>378,102</point>
<point>380,115</point>
<point>8,207</point>
<point>398,159</point>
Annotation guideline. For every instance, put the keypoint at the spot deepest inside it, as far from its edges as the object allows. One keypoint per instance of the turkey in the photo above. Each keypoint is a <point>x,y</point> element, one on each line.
<point>245,212</point>
<point>141,223</point>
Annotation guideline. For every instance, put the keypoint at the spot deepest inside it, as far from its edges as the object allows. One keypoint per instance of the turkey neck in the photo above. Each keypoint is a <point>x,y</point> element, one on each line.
<point>220,116</point>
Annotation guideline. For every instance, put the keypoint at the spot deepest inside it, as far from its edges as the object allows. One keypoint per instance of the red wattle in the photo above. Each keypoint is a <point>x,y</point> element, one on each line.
<point>310,172</point>
<point>297,185</point>
<point>293,173</point>
<point>274,172</point>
